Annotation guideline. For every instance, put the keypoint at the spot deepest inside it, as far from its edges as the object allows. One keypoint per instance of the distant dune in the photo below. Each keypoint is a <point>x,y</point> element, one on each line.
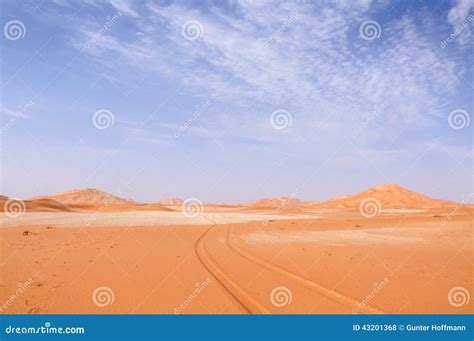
<point>283,201</point>
<point>86,200</point>
<point>40,205</point>
<point>389,196</point>
<point>171,202</point>
<point>86,196</point>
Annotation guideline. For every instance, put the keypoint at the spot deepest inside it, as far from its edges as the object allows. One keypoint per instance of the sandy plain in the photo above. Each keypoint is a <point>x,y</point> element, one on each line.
<point>237,260</point>
<point>337,262</point>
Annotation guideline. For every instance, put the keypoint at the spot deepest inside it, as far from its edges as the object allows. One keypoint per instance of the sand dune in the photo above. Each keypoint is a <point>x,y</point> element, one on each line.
<point>39,205</point>
<point>91,200</point>
<point>284,201</point>
<point>171,202</point>
<point>117,208</point>
<point>389,196</point>
<point>86,196</point>
<point>84,200</point>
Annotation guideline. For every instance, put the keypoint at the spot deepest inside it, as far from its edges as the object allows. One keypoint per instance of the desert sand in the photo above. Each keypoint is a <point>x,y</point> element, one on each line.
<point>88,252</point>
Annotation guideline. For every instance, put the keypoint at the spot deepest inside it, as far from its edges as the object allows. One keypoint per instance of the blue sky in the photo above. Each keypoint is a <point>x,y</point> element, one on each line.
<point>232,101</point>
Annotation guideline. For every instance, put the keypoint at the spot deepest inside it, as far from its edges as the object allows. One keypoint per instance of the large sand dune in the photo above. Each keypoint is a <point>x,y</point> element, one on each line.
<point>87,196</point>
<point>84,200</point>
<point>389,196</point>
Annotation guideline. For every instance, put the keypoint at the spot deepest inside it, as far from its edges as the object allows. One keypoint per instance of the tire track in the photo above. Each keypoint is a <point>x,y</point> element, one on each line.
<point>242,296</point>
<point>238,293</point>
<point>331,294</point>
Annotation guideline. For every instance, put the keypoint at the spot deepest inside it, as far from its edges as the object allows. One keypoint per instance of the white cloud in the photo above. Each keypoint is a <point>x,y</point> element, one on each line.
<point>299,56</point>
<point>124,6</point>
<point>459,17</point>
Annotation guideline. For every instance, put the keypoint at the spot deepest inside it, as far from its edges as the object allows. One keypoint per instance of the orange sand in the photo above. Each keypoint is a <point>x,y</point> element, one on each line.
<point>337,262</point>
<point>86,251</point>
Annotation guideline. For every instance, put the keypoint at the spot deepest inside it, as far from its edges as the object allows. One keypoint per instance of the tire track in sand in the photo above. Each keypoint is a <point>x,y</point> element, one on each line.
<point>331,294</point>
<point>251,305</point>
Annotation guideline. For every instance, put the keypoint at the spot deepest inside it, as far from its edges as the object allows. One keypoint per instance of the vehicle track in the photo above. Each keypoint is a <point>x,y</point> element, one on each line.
<point>243,297</point>
<point>238,293</point>
<point>331,294</point>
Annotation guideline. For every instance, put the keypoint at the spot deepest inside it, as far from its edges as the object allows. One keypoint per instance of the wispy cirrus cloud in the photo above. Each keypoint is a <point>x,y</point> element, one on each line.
<point>460,16</point>
<point>301,55</point>
<point>385,98</point>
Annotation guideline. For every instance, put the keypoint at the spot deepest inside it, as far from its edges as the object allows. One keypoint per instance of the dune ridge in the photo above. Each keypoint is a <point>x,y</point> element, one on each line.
<point>389,196</point>
<point>171,202</point>
<point>86,196</point>
<point>89,199</point>
<point>283,201</point>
